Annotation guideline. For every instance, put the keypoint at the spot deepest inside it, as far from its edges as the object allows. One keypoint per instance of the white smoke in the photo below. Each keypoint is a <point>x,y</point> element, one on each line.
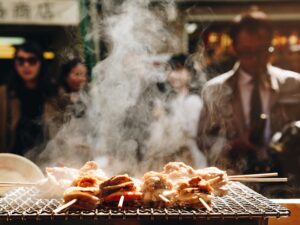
<point>118,128</point>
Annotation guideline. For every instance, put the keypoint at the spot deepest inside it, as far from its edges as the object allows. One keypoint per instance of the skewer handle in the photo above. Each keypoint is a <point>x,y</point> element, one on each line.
<point>16,184</point>
<point>255,175</point>
<point>205,204</point>
<point>259,179</point>
<point>121,201</point>
<point>162,197</point>
<point>64,206</point>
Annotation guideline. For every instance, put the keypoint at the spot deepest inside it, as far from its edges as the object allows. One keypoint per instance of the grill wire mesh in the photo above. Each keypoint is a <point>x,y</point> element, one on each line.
<point>241,202</point>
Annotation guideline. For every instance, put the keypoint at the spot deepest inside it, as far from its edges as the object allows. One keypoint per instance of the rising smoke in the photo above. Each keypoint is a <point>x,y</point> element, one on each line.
<point>118,128</point>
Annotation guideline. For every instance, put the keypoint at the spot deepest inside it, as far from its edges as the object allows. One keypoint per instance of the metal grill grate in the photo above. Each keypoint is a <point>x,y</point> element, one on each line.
<point>240,203</point>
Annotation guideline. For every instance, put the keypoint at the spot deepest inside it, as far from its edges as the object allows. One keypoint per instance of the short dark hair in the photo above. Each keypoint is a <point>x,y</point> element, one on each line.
<point>180,61</point>
<point>250,21</point>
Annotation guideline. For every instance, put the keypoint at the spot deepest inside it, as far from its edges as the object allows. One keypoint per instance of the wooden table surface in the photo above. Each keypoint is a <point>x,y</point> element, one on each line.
<point>294,206</point>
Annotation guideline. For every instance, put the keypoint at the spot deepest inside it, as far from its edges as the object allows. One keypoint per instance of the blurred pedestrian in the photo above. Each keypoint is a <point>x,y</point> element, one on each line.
<point>67,103</point>
<point>176,122</point>
<point>23,101</point>
<point>244,107</point>
<point>74,75</point>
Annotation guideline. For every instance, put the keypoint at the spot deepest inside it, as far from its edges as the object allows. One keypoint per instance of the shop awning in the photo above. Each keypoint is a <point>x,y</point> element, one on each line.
<point>40,12</point>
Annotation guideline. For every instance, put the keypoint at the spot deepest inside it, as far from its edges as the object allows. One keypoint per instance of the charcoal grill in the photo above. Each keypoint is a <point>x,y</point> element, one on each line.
<point>241,206</point>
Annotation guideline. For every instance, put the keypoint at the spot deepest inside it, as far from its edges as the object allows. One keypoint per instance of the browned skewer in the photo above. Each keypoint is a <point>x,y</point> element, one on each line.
<point>121,201</point>
<point>14,184</point>
<point>205,204</point>
<point>162,197</point>
<point>64,206</point>
<point>254,175</point>
<point>259,179</point>
<point>214,180</point>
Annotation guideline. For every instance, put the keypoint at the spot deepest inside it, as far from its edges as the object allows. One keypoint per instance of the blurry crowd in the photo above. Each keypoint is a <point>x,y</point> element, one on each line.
<point>32,102</point>
<point>244,121</point>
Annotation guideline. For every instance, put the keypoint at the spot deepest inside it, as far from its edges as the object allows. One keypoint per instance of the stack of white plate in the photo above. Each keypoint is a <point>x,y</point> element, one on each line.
<point>15,168</point>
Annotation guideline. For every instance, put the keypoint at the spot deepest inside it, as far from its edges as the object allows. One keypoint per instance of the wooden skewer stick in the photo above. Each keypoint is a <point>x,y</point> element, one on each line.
<point>205,204</point>
<point>259,179</point>
<point>166,193</point>
<point>164,198</point>
<point>64,206</point>
<point>213,180</point>
<point>13,184</point>
<point>121,201</point>
<point>255,175</point>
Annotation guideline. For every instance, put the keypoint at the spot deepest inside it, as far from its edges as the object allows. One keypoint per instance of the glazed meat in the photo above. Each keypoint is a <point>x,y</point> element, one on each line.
<point>117,186</point>
<point>189,194</point>
<point>86,197</point>
<point>155,184</point>
<point>180,185</point>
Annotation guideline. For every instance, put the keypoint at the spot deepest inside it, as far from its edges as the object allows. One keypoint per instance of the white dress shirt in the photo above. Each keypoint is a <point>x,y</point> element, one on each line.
<point>245,85</point>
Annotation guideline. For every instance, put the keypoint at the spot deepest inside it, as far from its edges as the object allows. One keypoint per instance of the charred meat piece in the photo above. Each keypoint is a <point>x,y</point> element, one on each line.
<point>117,186</point>
<point>86,197</point>
<point>87,181</point>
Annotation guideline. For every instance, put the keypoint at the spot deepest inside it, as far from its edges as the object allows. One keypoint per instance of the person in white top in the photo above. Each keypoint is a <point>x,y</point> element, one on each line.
<point>176,122</point>
<point>244,107</point>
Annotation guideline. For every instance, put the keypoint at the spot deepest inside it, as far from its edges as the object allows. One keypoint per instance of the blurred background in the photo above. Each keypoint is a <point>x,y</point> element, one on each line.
<point>71,27</point>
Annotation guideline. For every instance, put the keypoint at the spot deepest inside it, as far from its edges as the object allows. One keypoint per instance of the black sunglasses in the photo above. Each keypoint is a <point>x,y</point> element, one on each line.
<point>30,60</point>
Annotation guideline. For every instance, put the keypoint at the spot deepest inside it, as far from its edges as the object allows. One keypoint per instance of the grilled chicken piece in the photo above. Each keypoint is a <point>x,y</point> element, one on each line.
<point>188,194</point>
<point>116,180</point>
<point>210,173</point>
<point>178,173</point>
<point>128,186</point>
<point>121,185</point>
<point>86,197</point>
<point>87,181</point>
<point>217,179</point>
<point>154,185</point>
<point>91,169</point>
<point>90,190</point>
<point>178,167</point>
<point>181,185</point>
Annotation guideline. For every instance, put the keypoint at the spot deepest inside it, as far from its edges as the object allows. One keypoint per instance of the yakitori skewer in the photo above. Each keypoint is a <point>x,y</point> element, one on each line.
<point>255,175</point>
<point>64,206</point>
<point>16,184</point>
<point>162,197</point>
<point>121,201</point>
<point>205,204</point>
<point>250,179</point>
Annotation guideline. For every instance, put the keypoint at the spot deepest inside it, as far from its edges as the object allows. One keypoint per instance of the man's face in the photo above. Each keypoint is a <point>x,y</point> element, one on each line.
<point>252,50</point>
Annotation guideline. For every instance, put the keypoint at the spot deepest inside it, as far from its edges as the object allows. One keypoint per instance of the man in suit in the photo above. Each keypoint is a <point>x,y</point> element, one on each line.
<point>244,107</point>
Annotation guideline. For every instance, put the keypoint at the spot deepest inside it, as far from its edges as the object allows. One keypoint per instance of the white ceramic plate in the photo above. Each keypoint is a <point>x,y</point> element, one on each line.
<point>15,168</point>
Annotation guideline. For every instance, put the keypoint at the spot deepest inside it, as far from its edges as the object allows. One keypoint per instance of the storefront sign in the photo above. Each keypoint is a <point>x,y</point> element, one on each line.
<point>39,12</point>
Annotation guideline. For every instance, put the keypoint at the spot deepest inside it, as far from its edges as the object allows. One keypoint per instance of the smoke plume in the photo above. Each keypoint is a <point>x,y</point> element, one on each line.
<point>118,128</point>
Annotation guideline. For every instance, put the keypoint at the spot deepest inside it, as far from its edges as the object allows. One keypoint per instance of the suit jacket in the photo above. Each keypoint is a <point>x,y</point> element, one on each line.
<point>222,116</point>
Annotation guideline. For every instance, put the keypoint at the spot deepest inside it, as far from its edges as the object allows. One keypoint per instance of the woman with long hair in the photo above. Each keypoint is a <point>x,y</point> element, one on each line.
<point>24,100</point>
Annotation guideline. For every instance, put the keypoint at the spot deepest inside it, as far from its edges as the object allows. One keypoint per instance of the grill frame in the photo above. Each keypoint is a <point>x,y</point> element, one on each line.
<point>242,203</point>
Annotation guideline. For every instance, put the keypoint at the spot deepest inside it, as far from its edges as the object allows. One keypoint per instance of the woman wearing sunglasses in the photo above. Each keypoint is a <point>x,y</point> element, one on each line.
<point>24,100</point>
